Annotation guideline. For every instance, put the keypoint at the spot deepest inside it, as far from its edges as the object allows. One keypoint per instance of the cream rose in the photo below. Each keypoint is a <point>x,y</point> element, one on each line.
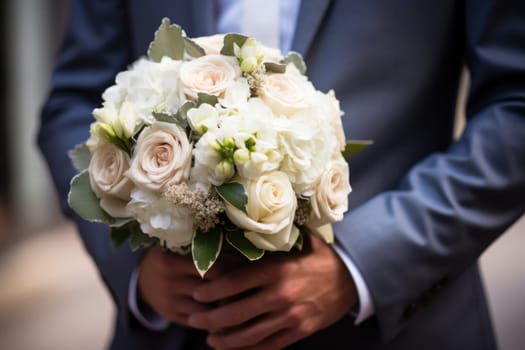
<point>106,175</point>
<point>162,157</point>
<point>330,111</point>
<point>330,200</point>
<point>287,93</point>
<point>211,74</point>
<point>270,212</point>
<point>212,44</point>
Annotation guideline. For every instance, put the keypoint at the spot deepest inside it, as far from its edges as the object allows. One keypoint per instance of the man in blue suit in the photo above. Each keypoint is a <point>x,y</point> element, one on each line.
<point>423,209</point>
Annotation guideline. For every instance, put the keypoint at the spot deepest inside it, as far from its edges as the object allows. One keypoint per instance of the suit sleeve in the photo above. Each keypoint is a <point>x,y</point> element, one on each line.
<point>452,205</point>
<point>95,48</point>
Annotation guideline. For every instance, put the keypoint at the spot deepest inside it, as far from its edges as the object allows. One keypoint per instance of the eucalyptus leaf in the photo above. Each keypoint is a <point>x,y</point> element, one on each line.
<point>84,202</point>
<point>297,60</point>
<point>206,98</point>
<point>206,247</point>
<point>355,146</point>
<point>237,240</point>
<point>233,193</point>
<point>164,117</point>
<point>230,40</point>
<point>275,67</point>
<point>192,48</point>
<point>80,156</point>
<point>168,41</point>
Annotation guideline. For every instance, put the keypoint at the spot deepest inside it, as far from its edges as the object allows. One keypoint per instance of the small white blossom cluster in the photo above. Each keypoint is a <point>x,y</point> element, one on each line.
<point>158,160</point>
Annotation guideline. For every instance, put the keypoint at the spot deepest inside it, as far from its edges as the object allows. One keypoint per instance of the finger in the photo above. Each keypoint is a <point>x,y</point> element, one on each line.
<point>253,333</point>
<point>238,311</point>
<point>236,282</point>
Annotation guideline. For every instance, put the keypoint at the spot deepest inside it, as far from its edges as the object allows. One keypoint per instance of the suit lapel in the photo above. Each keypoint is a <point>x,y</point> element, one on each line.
<point>310,16</point>
<point>203,12</point>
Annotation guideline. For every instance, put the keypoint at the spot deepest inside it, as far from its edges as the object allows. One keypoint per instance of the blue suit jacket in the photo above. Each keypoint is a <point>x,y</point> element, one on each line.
<point>423,207</point>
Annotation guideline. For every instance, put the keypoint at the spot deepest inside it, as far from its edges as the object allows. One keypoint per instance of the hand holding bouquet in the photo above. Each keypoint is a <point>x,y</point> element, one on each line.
<point>213,142</point>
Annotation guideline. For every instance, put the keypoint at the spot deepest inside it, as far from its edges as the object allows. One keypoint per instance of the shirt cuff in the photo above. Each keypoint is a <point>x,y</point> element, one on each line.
<point>145,315</point>
<point>366,306</point>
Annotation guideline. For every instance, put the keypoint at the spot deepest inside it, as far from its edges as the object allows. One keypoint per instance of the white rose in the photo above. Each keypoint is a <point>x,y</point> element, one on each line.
<point>162,156</point>
<point>268,221</point>
<point>330,200</point>
<point>211,74</point>
<point>287,93</point>
<point>106,175</point>
<point>159,218</point>
<point>203,118</point>
<point>212,44</point>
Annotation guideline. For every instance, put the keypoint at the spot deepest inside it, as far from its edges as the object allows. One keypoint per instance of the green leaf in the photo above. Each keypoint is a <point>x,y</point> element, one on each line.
<point>275,67</point>
<point>138,239</point>
<point>164,117</point>
<point>119,235</point>
<point>80,156</point>
<point>233,193</point>
<point>206,98</point>
<point>229,41</point>
<point>237,240</point>
<point>297,60</point>
<point>84,202</point>
<point>355,146</point>
<point>206,247</point>
<point>168,41</point>
<point>192,48</point>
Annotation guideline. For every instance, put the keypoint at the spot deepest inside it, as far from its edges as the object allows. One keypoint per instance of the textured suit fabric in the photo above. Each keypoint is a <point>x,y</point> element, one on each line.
<point>423,206</point>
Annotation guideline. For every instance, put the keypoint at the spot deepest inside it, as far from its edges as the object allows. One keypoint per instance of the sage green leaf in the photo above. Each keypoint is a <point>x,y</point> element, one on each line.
<point>168,41</point>
<point>275,67</point>
<point>182,113</point>
<point>206,98</point>
<point>233,193</point>
<point>297,60</point>
<point>84,202</point>
<point>205,249</point>
<point>237,240</point>
<point>164,117</point>
<point>230,40</point>
<point>192,48</point>
<point>80,156</point>
<point>355,146</point>
<point>138,239</point>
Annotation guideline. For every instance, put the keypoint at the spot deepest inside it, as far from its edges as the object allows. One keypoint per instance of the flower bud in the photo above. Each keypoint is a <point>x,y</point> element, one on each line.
<point>248,65</point>
<point>241,156</point>
<point>224,169</point>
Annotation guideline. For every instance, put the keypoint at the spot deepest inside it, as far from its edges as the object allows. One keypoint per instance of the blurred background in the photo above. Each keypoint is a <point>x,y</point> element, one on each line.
<point>50,293</point>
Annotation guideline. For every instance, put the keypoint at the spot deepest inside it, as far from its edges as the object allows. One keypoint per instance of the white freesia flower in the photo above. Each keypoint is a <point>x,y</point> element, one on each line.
<point>151,86</point>
<point>123,121</point>
<point>106,175</point>
<point>236,94</point>
<point>162,156</point>
<point>159,218</point>
<point>330,200</point>
<point>203,118</point>
<point>268,221</point>
<point>287,93</point>
<point>210,74</point>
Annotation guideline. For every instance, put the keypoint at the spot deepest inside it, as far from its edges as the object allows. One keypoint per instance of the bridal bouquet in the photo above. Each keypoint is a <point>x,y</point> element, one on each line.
<point>213,142</point>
